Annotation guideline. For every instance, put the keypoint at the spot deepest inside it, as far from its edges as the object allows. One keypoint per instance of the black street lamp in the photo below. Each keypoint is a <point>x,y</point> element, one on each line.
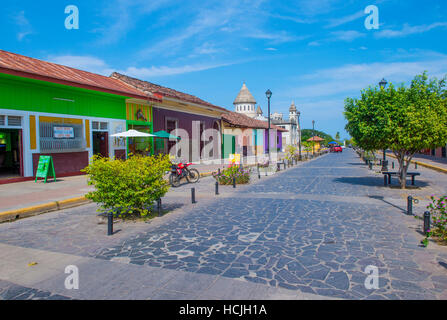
<point>299,135</point>
<point>382,85</point>
<point>313,137</point>
<point>268,94</point>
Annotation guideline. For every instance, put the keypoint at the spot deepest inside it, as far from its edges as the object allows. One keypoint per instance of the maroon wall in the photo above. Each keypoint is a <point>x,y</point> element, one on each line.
<point>120,154</point>
<point>184,119</point>
<point>64,163</point>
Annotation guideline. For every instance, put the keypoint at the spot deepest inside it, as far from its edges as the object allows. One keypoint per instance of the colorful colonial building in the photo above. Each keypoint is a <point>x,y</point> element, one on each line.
<point>50,109</point>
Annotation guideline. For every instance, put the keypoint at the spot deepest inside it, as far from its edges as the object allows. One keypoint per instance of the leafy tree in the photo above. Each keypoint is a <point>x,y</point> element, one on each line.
<point>309,133</point>
<point>404,119</point>
<point>337,137</point>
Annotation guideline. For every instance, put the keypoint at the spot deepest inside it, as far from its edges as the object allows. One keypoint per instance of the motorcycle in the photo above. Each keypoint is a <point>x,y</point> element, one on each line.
<point>180,171</point>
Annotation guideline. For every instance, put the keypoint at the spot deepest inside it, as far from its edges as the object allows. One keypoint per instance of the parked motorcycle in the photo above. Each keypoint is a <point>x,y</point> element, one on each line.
<point>180,171</point>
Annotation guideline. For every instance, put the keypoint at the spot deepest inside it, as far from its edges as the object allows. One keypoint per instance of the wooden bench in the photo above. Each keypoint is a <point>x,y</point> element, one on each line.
<point>387,176</point>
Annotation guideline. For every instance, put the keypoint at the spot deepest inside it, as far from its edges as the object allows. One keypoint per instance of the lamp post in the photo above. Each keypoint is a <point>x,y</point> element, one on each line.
<point>268,94</point>
<point>299,136</point>
<point>313,137</point>
<point>382,84</point>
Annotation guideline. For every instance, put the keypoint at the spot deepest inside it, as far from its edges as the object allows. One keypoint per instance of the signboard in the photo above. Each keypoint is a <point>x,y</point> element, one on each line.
<point>45,168</point>
<point>63,132</point>
<point>235,158</point>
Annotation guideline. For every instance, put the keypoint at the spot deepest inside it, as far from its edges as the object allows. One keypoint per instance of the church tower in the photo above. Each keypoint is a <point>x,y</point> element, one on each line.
<point>292,113</point>
<point>245,102</point>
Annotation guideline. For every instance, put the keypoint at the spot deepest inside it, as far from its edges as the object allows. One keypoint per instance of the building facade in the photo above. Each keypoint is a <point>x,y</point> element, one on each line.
<point>292,135</point>
<point>49,109</point>
<point>183,115</point>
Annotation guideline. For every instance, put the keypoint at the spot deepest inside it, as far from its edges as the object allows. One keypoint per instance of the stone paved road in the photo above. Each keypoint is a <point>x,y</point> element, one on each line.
<point>316,246</point>
<point>313,228</point>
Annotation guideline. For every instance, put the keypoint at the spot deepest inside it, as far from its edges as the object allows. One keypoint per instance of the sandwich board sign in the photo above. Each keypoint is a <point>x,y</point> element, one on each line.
<point>45,168</point>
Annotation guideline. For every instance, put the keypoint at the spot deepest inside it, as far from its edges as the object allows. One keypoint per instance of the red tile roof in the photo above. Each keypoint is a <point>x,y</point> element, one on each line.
<point>16,64</point>
<point>153,89</point>
<point>315,138</point>
<point>241,120</point>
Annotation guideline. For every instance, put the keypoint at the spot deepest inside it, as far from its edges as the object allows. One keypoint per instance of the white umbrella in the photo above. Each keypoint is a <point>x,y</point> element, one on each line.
<point>132,133</point>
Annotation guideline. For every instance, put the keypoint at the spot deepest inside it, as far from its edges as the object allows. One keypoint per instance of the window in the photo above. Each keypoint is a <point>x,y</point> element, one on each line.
<point>103,126</point>
<point>14,121</point>
<point>2,120</point>
<point>51,141</point>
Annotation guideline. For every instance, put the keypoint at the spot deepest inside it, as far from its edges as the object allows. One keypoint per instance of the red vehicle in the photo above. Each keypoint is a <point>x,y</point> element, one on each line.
<point>337,149</point>
<point>181,170</point>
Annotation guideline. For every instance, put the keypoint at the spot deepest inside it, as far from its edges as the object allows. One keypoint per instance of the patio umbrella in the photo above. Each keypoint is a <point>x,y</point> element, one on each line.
<point>332,142</point>
<point>164,135</point>
<point>132,134</point>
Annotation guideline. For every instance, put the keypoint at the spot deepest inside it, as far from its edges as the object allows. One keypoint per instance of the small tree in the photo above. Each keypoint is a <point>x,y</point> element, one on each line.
<point>405,120</point>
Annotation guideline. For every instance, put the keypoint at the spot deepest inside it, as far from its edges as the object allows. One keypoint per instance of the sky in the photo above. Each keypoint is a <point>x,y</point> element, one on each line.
<point>313,52</point>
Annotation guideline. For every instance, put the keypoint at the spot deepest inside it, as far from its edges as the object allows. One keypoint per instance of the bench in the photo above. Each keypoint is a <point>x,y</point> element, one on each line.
<point>392,173</point>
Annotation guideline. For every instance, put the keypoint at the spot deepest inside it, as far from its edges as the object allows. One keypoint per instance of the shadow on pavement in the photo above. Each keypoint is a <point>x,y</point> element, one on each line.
<point>387,202</point>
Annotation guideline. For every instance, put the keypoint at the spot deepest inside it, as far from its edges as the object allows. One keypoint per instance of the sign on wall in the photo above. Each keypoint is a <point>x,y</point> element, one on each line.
<point>63,132</point>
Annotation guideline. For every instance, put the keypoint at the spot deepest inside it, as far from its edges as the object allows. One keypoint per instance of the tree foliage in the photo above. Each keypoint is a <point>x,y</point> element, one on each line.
<point>403,119</point>
<point>128,186</point>
<point>309,133</point>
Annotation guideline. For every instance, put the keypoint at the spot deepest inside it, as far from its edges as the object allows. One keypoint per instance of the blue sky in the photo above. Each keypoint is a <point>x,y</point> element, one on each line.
<point>315,52</point>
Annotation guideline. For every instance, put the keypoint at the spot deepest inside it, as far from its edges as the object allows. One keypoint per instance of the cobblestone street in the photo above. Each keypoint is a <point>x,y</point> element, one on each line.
<point>310,229</point>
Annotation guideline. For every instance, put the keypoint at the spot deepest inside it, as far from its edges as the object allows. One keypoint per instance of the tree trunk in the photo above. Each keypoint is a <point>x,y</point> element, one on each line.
<point>403,168</point>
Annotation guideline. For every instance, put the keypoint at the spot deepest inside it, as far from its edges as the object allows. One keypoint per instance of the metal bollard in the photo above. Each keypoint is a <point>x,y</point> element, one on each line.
<point>415,165</point>
<point>410,205</point>
<point>284,164</point>
<point>110,223</point>
<point>370,165</point>
<point>392,164</point>
<point>234,182</point>
<point>217,188</point>
<point>159,206</point>
<point>426,221</point>
<point>278,166</point>
<point>193,195</point>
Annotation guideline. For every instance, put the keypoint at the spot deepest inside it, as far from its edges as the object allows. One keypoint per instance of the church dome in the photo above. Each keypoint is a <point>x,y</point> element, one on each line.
<point>244,96</point>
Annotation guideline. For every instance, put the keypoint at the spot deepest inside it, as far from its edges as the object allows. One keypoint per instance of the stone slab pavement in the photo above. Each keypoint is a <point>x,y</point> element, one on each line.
<point>311,229</point>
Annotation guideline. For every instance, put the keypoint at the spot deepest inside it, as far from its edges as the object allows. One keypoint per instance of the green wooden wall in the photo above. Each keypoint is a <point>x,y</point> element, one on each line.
<point>33,95</point>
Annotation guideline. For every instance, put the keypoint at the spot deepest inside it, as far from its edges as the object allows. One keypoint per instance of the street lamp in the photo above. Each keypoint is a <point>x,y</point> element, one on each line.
<point>382,84</point>
<point>299,135</point>
<point>268,94</point>
<point>313,138</point>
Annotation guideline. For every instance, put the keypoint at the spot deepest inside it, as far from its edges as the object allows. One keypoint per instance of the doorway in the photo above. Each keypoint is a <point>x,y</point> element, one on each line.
<point>101,143</point>
<point>11,162</point>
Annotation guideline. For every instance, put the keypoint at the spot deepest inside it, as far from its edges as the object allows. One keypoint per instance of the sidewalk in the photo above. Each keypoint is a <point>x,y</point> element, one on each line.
<point>435,163</point>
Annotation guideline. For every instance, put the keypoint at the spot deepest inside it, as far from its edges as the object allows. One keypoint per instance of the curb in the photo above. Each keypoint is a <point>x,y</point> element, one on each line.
<point>423,164</point>
<point>42,208</point>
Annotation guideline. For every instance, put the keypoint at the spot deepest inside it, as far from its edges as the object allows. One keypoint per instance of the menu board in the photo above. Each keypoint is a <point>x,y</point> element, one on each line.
<point>45,168</point>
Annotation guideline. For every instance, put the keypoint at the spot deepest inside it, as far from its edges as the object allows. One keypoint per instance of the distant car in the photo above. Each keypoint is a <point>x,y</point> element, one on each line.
<point>337,149</point>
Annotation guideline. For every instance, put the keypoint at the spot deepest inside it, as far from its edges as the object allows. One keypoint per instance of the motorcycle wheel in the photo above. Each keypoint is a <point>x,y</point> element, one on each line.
<point>174,180</point>
<point>193,175</point>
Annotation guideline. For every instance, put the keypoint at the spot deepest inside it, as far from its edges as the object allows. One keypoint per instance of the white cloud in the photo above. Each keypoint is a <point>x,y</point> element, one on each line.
<point>347,36</point>
<point>409,30</point>
<point>86,63</point>
<point>343,20</point>
<point>99,66</point>
<point>168,71</point>
<point>271,49</point>
<point>24,25</point>
<point>352,78</point>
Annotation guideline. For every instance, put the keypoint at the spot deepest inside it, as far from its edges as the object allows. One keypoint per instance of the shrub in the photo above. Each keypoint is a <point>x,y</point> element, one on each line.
<point>291,152</point>
<point>128,187</point>
<point>233,171</point>
<point>438,210</point>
